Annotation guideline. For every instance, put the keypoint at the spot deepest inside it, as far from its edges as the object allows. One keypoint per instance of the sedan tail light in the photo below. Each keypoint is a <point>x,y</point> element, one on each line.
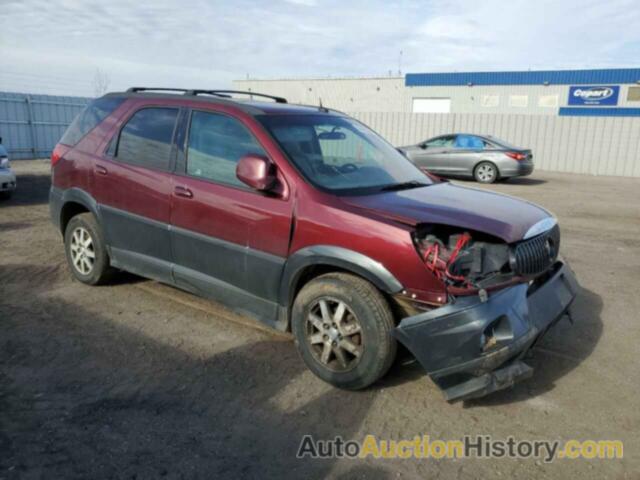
<point>516,155</point>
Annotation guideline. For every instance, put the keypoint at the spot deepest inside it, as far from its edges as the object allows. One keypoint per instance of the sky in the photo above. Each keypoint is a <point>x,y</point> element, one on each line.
<point>57,46</point>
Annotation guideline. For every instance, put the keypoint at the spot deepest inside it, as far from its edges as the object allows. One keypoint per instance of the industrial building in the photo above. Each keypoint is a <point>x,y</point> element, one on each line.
<point>604,92</point>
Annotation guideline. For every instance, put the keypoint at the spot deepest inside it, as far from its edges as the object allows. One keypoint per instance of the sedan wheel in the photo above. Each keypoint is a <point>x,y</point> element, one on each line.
<point>485,172</point>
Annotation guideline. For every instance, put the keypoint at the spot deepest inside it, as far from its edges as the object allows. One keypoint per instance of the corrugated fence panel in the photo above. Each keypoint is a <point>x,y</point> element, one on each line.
<point>590,145</point>
<point>31,125</point>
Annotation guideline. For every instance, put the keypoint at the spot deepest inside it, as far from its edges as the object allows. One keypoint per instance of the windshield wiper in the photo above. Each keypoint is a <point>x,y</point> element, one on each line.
<point>404,186</point>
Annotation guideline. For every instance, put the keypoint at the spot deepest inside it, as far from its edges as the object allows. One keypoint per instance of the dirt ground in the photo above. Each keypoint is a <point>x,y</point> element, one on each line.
<point>138,380</point>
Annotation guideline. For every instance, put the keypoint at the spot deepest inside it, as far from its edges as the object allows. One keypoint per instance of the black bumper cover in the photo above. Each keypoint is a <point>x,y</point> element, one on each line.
<point>451,342</point>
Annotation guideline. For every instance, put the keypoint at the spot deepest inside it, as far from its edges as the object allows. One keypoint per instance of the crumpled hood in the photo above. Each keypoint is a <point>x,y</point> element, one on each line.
<point>499,215</point>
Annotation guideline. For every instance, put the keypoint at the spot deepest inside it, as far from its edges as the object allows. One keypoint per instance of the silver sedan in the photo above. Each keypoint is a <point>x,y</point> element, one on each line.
<point>482,157</point>
<point>7,177</point>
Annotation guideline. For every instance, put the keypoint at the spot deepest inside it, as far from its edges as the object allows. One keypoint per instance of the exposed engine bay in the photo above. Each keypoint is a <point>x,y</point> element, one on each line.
<point>468,261</point>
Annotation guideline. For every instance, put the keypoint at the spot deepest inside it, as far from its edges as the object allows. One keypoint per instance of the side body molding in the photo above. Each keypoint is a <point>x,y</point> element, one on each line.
<point>339,257</point>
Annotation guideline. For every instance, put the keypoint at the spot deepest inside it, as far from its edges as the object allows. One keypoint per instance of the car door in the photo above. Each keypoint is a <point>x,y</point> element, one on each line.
<point>465,153</point>
<point>132,186</point>
<point>229,242</point>
<point>432,154</point>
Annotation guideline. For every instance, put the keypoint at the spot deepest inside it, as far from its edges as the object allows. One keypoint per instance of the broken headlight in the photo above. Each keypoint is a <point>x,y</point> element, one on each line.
<point>463,258</point>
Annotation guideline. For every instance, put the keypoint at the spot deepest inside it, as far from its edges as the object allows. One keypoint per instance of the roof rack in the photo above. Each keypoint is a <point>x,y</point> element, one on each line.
<point>215,93</point>
<point>144,89</point>
<point>228,93</point>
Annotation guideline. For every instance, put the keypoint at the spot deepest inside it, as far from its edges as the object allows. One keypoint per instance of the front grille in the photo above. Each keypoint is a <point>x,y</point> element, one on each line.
<point>536,255</point>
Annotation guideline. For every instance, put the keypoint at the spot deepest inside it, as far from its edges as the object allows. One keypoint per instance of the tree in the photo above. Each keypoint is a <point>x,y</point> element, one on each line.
<point>101,82</point>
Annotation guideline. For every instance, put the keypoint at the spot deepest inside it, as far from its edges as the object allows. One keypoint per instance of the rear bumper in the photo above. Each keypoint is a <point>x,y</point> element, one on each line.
<point>7,181</point>
<point>519,169</point>
<point>471,348</point>
<point>55,206</point>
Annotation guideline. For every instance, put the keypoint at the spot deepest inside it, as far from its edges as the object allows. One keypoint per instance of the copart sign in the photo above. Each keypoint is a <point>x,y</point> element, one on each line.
<point>594,95</point>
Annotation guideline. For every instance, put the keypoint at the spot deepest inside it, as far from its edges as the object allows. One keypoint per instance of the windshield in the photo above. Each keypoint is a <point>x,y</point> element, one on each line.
<point>342,155</point>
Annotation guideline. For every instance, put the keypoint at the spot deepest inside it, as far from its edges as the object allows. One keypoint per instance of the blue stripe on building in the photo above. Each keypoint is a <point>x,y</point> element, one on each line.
<point>542,77</point>
<point>598,112</point>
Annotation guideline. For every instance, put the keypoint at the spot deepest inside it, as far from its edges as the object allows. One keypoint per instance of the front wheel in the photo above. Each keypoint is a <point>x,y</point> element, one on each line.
<point>341,326</point>
<point>485,172</point>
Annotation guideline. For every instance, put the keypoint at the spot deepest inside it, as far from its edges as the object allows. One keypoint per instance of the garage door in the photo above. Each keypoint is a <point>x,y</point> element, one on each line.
<point>431,105</point>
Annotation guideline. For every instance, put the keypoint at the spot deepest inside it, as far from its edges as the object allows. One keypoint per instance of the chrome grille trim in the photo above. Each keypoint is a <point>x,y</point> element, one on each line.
<point>536,255</point>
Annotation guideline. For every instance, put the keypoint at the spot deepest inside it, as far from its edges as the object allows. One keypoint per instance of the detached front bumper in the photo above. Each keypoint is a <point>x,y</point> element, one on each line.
<point>471,347</point>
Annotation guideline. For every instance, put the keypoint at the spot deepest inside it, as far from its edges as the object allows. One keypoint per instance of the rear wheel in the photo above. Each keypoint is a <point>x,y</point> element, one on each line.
<point>86,251</point>
<point>341,326</point>
<point>6,195</point>
<point>485,172</point>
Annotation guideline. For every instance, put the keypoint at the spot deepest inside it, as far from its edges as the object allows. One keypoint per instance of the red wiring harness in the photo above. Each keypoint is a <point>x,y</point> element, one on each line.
<point>439,264</point>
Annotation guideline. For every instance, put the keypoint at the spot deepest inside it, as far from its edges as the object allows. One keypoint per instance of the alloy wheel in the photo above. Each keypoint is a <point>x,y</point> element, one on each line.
<point>83,254</point>
<point>334,334</point>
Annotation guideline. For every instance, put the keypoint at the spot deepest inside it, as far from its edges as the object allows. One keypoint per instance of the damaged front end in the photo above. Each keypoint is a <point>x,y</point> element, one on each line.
<point>502,299</point>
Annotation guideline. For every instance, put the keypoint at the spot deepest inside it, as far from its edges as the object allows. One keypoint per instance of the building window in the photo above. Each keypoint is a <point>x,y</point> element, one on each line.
<point>633,95</point>
<point>431,105</point>
<point>490,100</point>
<point>519,101</point>
<point>548,101</point>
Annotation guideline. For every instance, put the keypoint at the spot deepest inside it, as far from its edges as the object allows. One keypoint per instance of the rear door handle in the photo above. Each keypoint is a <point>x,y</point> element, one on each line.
<point>100,170</point>
<point>183,192</point>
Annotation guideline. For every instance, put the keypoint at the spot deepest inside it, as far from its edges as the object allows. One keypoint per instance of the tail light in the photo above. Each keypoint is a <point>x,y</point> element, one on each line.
<point>516,155</point>
<point>57,153</point>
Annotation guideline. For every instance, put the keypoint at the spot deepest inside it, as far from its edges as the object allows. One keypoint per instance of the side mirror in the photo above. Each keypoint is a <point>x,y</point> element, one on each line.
<point>424,146</point>
<point>257,171</point>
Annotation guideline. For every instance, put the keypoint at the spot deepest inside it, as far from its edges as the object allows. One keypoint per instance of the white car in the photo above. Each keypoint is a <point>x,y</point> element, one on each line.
<point>7,177</point>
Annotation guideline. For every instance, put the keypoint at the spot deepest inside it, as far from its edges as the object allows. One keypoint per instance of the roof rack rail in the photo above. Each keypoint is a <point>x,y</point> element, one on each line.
<point>228,93</point>
<point>215,93</point>
<point>143,89</point>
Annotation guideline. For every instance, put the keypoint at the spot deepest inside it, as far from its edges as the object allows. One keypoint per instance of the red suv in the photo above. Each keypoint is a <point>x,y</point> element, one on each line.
<point>307,220</point>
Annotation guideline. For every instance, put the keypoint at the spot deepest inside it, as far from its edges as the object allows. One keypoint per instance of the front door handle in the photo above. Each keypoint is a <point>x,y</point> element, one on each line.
<point>183,192</point>
<point>100,170</point>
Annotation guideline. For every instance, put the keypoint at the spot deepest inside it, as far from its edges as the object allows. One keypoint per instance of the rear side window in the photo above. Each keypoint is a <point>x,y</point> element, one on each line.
<point>216,144</point>
<point>470,142</point>
<point>146,138</point>
<point>89,118</point>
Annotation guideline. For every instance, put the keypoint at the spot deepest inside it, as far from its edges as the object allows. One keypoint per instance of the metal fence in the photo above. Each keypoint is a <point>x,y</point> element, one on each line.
<point>591,145</point>
<point>31,125</point>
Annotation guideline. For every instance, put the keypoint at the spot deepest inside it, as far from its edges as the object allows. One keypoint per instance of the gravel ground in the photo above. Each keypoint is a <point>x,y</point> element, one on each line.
<point>138,380</point>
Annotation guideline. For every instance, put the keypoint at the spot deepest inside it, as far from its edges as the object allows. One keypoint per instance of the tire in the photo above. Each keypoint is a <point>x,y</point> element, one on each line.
<point>85,236</point>
<point>486,172</point>
<point>366,323</point>
<point>6,195</point>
